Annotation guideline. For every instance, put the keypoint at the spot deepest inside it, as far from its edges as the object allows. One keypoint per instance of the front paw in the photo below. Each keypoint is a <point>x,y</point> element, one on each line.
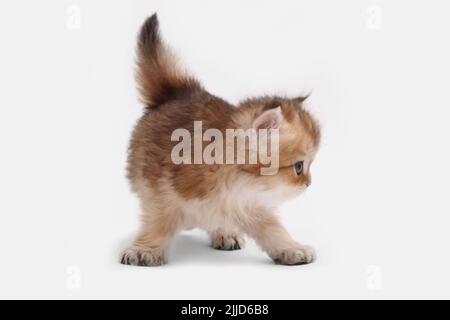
<point>142,257</point>
<point>294,256</point>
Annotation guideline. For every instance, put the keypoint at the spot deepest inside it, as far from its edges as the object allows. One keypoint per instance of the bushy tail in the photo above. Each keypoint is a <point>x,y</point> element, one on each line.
<point>159,80</point>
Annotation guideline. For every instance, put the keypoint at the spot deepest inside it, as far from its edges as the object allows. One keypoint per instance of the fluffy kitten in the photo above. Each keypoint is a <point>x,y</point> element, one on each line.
<point>227,201</point>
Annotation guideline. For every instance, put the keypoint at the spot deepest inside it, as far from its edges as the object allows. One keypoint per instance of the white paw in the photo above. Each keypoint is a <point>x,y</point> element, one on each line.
<point>295,256</point>
<point>142,257</point>
<point>227,242</point>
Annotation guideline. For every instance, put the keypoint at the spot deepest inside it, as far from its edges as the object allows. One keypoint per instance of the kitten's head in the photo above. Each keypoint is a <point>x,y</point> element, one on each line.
<point>299,138</point>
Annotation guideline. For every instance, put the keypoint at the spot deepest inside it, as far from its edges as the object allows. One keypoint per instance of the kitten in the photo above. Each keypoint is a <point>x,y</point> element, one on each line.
<point>227,200</point>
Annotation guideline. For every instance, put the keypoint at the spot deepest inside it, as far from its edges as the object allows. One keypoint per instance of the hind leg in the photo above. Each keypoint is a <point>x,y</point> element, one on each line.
<point>226,240</point>
<point>151,245</point>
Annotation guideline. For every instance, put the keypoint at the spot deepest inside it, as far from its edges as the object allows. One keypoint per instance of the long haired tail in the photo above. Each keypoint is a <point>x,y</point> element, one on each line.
<point>159,79</point>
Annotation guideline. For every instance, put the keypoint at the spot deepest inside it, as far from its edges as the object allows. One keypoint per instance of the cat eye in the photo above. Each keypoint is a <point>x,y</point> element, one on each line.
<point>298,166</point>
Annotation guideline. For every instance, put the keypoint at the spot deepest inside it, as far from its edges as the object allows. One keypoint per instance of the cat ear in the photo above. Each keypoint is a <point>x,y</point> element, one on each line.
<point>270,119</point>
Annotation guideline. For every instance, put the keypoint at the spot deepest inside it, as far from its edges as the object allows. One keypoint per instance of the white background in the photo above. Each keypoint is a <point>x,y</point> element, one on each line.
<point>377,212</point>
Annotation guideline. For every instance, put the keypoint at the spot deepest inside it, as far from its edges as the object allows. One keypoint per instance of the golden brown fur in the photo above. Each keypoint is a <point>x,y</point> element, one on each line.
<point>227,200</point>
